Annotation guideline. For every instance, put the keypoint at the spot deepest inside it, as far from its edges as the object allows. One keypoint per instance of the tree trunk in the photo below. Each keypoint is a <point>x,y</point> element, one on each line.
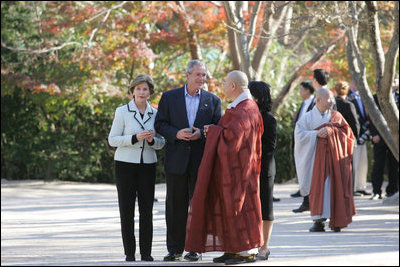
<point>358,73</point>
<point>298,76</point>
<point>194,47</point>
<point>385,68</point>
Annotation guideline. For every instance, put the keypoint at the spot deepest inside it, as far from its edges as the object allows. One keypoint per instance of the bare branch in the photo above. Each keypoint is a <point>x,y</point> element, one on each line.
<point>254,14</point>
<point>298,32</point>
<point>40,51</point>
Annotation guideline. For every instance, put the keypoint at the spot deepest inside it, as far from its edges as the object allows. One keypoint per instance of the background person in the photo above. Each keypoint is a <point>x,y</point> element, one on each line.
<point>320,80</point>
<point>262,96</point>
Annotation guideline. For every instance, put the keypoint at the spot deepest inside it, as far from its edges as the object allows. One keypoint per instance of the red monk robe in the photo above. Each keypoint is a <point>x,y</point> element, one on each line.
<point>333,157</point>
<point>225,211</point>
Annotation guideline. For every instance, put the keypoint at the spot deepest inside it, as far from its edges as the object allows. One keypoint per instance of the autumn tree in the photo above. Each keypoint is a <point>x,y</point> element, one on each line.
<point>252,30</point>
<point>386,120</point>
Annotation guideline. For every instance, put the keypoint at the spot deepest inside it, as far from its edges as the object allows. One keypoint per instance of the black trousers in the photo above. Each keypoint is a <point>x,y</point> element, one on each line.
<point>381,153</point>
<point>136,180</point>
<point>180,189</point>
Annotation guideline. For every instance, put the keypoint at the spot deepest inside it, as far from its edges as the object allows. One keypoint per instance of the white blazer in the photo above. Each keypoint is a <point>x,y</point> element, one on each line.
<point>128,122</point>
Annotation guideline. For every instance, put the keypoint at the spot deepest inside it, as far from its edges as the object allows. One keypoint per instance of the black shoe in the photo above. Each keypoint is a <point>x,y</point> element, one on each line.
<point>276,199</point>
<point>376,197</point>
<point>390,194</point>
<point>224,257</point>
<point>318,226</point>
<point>336,229</point>
<point>193,256</point>
<point>363,192</point>
<point>241,259</point>
<point>130,258</point>
<point>297,194</point>
<point>263,257</point>
<point>301,208</point>
<point>357,194</point>
<point>147,258</point>
<point>173,257</point>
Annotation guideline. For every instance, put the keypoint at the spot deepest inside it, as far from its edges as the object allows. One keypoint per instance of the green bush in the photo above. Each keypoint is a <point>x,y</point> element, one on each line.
<point>48,137</point>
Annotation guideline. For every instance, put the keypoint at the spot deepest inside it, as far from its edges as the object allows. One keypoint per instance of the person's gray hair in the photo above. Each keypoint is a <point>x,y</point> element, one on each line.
<point>142,78</point>
<point>194,62</point>
<point>323,92</point>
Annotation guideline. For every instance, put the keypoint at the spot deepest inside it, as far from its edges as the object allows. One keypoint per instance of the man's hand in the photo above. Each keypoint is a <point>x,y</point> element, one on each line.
<point>322,133</point>
<point>376,139</point>
<point>196,134</point>
<point>184,134</point>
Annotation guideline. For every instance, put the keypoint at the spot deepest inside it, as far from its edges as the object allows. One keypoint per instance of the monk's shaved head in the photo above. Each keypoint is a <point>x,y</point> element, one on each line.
<point>239,78</point>
<point>323,93</point>
<point>324,99</point>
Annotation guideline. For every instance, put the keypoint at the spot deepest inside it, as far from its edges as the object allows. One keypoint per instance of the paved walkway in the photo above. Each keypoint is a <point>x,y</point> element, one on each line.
<point>61,223</point>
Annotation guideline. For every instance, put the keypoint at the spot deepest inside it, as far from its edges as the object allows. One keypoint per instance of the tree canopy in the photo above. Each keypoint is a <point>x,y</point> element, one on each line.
<point>87,52</point>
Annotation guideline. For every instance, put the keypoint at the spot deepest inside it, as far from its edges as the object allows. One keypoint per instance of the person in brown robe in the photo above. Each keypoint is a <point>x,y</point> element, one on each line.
<point>325,148</point>
<point>225,211</point>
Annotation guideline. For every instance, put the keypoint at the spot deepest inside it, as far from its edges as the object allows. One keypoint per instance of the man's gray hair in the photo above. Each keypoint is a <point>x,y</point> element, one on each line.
<point>194,62</point>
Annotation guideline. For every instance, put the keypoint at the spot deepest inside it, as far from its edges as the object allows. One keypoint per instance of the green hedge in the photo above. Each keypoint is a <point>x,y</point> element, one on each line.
<point>49,137</point>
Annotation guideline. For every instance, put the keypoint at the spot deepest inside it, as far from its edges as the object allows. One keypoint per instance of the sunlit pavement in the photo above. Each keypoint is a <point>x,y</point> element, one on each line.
<point>61,223</point>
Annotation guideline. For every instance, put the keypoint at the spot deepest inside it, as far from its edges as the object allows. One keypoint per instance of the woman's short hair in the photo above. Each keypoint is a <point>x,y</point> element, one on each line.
<point>342,88</point>
<point>142,78</point>
<point>262,92</point>
<point>321,76</point>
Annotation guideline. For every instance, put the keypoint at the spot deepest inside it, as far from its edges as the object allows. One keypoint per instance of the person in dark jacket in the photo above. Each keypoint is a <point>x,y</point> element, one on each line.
<point>347,108</point>
<point>182,114</point>
<point>360,155</point>
<point>262,96</point>
<point>383,153</point>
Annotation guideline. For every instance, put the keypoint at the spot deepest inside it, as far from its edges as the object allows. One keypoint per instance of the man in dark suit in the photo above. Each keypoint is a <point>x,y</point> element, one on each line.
<point>360,155</point>
<point>182,114</point>
<point>381,153</point>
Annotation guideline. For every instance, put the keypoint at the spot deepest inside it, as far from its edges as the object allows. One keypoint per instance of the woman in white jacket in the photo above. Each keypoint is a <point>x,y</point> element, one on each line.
<point>133,134</point>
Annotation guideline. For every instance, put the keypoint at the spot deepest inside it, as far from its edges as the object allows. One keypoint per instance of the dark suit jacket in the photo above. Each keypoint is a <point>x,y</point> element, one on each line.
<point>372,127</point>
<point>310,107</point>
<point>348,110</point>
<point>172,117</point>
<point>363,121</point>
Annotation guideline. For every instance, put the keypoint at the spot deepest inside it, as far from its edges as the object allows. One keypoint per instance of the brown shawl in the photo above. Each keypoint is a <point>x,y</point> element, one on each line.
<point>225,211</point>
<point>333,157</point>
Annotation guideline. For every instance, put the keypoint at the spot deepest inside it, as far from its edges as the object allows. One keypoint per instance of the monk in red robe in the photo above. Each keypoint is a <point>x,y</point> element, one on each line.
<point>323,153</point>
<point>225,211</point>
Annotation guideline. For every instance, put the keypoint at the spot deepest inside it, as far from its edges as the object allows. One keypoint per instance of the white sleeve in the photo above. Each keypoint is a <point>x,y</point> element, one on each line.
<point>116,137</point>
<point>304,153</point>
